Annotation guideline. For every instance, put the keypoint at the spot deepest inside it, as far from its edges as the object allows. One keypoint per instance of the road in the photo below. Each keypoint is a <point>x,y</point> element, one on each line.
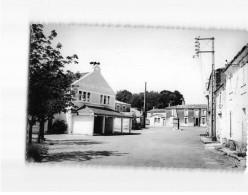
<point>151,147</point>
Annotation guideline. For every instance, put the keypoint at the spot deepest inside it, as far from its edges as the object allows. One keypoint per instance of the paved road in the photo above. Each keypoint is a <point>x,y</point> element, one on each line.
<point>151,147</point>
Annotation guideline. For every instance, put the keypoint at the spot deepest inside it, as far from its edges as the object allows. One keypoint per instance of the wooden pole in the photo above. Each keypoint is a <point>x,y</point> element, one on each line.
<point>144,110</point>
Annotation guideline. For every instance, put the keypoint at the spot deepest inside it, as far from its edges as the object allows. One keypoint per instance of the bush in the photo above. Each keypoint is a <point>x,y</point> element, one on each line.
<point>59,127</point>
<point>35,152</point>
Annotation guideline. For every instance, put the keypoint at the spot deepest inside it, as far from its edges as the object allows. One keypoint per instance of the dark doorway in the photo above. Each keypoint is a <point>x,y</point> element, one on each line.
<point>98,125</point>
<point>196,121</point>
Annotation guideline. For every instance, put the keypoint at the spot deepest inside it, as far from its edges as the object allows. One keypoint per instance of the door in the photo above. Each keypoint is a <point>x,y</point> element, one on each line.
<point>82,125</point>
<point>196,121</point>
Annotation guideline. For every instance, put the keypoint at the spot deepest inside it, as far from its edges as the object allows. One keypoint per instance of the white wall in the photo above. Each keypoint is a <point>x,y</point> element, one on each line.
<point>82,124</point>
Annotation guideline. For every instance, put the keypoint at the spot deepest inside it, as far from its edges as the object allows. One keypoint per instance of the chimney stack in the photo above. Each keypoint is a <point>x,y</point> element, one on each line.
<point>183,102</point>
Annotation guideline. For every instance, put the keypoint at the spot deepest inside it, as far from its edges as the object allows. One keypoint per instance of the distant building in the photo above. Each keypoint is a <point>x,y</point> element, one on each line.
<point>189,115</point>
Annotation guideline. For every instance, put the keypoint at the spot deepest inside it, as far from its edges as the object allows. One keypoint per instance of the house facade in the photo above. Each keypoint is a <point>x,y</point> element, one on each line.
<point>95,102</point>
<point>232,102</point>
<point>189,115</point>
<point>219,80</point>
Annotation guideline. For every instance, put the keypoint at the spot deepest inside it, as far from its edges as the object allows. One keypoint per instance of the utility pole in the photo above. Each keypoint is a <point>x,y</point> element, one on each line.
<point>144,109</point>
<point>213,109</point>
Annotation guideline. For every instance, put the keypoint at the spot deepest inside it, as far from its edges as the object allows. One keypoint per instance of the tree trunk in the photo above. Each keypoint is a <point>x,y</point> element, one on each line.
<point>41,131</point>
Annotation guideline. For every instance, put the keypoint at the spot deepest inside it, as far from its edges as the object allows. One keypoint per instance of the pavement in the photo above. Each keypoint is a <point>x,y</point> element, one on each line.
<point>150,147</point>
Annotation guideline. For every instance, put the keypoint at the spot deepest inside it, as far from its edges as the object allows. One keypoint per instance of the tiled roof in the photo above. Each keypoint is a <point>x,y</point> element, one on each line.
<point>157,110</point>
<point>238,54</point>
<point>100,111</point>
<point>189,106</point>
<point>119,102</point>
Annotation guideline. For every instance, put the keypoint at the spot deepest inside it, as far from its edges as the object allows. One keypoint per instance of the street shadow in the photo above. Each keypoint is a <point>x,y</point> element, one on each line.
<point>72,142</point>
<point>79,156</point>
<point>117,133</point>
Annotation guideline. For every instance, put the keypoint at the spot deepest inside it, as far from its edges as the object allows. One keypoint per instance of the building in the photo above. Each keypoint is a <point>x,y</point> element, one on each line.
<point>194,115</point>
<point>232,103</point>
<point>95,102</point>
<point>123,124</point>
<point>189,115</point>
<point>219,80</point>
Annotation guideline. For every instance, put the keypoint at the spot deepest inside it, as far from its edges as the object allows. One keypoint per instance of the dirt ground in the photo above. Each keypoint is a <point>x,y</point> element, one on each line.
<point>150,147</point>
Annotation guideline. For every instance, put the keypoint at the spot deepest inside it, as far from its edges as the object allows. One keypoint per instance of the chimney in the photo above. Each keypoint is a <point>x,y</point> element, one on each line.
<point>183,102</point>
<point>169,105</point>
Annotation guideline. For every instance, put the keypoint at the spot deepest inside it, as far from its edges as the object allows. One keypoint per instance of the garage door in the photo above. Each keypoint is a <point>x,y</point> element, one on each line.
<point>82,125</point>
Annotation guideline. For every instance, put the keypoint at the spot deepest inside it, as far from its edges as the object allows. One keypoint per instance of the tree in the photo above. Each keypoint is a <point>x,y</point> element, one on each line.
<point>152,98</point>
<point>138,101</point>
<point>49,86</point>
<point>124,96</point>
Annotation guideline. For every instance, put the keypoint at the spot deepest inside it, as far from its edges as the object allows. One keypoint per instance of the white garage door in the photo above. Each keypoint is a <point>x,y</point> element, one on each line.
<point>82,125</point>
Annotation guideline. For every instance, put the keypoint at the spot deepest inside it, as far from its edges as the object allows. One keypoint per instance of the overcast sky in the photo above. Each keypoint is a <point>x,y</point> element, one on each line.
<point>162,57</point>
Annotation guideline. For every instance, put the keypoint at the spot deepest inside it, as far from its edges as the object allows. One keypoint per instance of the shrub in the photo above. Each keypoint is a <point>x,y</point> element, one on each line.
<point>35,152</point>
<point>59,127</point>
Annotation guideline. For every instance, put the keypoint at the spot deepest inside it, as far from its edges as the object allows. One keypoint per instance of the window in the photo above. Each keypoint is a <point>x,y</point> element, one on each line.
<point>204,112</point>
<point>84,96</point>
<point>196,112</point>
<point>203,120</point>
<point>118,108</point>
<point>104,101</point>
<point>80,95</point>
<point>186,120</point>
<point>123,108</point>
<point>155,120</point>
<point>186,112</point>
<point>173,112</point>
<point>108,102</point>
<point>158,120</point>
<point>88,97</point>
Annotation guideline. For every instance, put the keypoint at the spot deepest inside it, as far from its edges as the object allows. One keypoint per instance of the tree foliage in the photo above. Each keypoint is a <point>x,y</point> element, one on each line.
<point>153,99</point>
<point>49,86</point>
<point>124,96</point>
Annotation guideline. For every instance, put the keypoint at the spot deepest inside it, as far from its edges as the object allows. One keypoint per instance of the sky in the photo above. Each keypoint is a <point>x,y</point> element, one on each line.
<point>160,56</point>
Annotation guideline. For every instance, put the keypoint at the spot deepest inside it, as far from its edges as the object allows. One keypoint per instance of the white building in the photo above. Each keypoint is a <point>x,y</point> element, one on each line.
<point>95,101</point>
<point>232,102</point>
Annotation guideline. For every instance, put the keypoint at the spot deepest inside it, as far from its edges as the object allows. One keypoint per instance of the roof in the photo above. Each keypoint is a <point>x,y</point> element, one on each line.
<point>119,102</point>
<point>160,115</point>
<point>238,54</point>
<point>188,106</point>
<point>103,111</point>
<point>83,74</point>
<point>158,110</point>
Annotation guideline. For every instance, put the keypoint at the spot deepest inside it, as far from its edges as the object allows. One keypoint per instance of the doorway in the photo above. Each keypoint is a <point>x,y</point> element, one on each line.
<point>196,121</point>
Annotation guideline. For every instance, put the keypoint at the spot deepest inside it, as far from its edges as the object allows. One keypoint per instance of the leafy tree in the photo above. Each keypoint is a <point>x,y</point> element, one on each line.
<point>152,98</point>
<point>138,101</point>
<point>49,86</point>
<point>124,96</point>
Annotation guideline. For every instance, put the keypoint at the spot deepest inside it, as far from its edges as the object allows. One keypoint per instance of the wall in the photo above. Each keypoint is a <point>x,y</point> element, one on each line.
<point>237,104</point>
<point>82,124</point>
<point>117,124</point>
<point>160,123</point>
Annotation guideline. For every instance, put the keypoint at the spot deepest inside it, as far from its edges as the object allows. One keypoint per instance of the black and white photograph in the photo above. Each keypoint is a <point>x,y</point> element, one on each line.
<point>111,94</point>
<point>104,94</point>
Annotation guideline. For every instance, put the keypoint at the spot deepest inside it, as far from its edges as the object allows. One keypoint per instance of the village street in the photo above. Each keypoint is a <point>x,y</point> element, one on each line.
<point>151,147</point>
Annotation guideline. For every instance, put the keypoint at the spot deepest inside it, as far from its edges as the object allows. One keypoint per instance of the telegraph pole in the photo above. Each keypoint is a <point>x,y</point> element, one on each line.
<point>144,109</point>
<point>197,41</point>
